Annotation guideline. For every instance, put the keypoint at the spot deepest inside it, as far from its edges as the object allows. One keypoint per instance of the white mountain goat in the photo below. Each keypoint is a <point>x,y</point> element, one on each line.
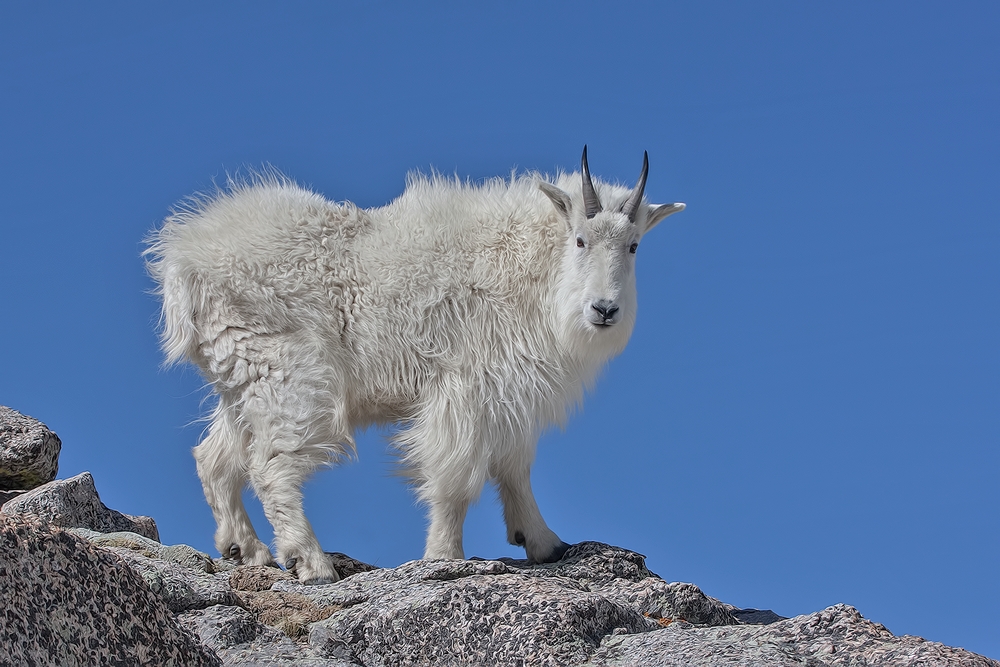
<point>473,315</point>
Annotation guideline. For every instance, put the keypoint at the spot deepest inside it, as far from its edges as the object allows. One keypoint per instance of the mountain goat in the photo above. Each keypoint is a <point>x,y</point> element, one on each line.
<point>473,315</point>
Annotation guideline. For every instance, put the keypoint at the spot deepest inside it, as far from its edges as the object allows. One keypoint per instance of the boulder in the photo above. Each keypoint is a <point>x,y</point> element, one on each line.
<point>180,587</point>
<point>837,636</point>
<point>239,639</point>
<point>181,554</point>
<point>65,602</point>
<point>74,503</point>
<point>499,612</point>
<point>29,451</point>
<point>82,584</point>
<point>599,606</point>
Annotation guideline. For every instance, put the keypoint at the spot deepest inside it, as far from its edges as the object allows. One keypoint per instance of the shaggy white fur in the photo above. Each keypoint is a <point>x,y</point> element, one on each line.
<point>473,315</point>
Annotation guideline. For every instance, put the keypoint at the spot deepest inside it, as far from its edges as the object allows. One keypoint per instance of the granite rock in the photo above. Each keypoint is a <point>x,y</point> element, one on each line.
<point>484,612</point>
<point>599,606</point>
<point>74,503</point>
<point>239,640</point>
<point>621,575</point>
<point>835,637</point>
<point>222,627</point>
<point>253,578</point>
<point>65,602</point>
<point>181,554</point>
<point>29,451</point>
<point>180,587</point>
<point>83,584</point>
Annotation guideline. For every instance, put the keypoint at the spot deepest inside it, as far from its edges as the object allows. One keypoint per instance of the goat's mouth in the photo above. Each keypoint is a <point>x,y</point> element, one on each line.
<point>602,324</point>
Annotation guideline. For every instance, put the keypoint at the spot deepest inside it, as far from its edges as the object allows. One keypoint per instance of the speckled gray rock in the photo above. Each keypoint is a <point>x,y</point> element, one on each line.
<point>599,606</point>
<point>179,587</point>
<point>621,575</point>
<point>480,612</point>
<point>238,639</point>
<point>222,627</point>
<point>837,636</point>
<point>181,554</point>
<point>65,602</point>
<point>74,503</point>
<point>29,451</point>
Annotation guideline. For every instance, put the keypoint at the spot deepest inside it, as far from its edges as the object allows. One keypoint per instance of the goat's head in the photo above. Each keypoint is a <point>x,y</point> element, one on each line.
<point>598,278</point>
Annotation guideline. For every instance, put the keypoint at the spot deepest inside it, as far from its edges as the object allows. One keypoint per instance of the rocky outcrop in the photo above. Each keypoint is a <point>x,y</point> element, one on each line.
<point>74,503</point>
<point>29,452</point>
<point>499,612</point>
<point>837,636</point>
<point>65,602</point>
<point>82,584</point>
<point>599,606</point>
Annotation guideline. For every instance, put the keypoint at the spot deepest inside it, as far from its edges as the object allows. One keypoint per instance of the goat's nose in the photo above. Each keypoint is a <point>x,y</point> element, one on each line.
<point>606,308</point>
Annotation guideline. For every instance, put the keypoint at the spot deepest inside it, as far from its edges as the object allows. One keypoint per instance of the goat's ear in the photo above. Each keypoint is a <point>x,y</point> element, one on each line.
<point>657,213</point>
<point>559,198</point>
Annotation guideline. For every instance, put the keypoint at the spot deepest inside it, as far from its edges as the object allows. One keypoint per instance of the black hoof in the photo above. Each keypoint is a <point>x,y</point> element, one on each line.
<point>559,552</point>
<point>519,538</point>
<point>234,552</point>
<point>555,555</point>
<point>290,564</point>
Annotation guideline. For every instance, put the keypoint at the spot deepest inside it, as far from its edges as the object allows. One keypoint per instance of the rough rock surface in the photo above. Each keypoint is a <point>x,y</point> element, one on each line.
<point>74,503</point>
<point>599,606</point>
<point>238,639</point>
<point>181,554</point>
<point>29,451</point>
<point>65,602</point>
<point>181,588</point>
<point>103,590</point>
<point>499,613</point>
<point>837,636</point>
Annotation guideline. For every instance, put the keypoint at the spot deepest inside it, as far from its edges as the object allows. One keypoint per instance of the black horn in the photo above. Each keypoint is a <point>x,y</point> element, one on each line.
<point>635,199</point>
<point>591,203</point>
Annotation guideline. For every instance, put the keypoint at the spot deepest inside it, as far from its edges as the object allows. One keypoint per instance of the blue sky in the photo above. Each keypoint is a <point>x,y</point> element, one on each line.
<point>808,410</point>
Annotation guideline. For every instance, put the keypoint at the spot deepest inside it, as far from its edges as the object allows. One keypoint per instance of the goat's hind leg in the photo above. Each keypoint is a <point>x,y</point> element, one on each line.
<point>222,467</point>
<point>285,449</point>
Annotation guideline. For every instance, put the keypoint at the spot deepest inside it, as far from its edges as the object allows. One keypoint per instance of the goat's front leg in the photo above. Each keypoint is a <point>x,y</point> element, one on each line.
<point>451,485</point>
<point>444,449</point>
<point>444,536</point>
<point>525,525</point>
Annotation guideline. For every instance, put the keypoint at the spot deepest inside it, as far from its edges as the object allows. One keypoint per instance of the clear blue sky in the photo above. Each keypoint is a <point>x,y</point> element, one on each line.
<point>808,411</point>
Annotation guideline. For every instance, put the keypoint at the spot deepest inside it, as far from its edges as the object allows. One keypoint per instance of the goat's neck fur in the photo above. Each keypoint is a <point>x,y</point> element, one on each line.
<point>513,258</point>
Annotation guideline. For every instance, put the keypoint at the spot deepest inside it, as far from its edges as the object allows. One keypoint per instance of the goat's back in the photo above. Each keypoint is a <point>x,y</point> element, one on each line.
<point>449,276</point>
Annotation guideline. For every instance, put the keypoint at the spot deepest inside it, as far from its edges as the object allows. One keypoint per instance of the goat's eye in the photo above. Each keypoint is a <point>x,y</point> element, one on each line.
<point>579,242</point>
<point>633,247</point>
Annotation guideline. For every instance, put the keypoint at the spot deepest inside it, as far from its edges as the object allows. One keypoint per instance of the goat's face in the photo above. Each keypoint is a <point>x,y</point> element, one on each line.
<point>597,282</point>
<point>601,269</point>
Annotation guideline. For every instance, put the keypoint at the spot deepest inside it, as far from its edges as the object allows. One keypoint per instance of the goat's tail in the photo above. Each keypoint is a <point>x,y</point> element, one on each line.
<point>178,291</point>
